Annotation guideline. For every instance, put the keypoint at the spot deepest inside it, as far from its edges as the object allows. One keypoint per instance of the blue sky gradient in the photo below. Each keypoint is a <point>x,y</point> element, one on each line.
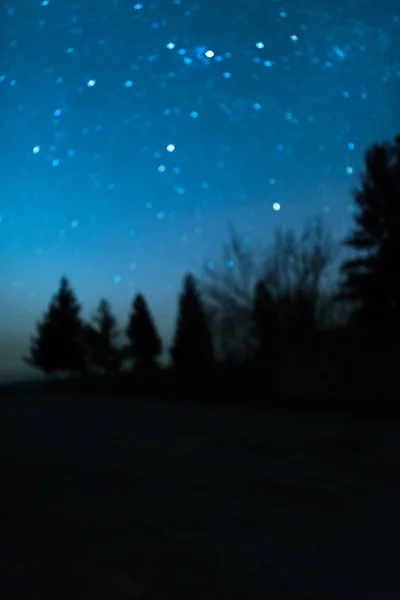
<point>131,134</point>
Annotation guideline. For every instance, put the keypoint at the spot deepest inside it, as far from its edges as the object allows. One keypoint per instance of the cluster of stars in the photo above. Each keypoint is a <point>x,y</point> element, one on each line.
<point>205,56</point>
<point>201,112</point>
<point>132,132</point>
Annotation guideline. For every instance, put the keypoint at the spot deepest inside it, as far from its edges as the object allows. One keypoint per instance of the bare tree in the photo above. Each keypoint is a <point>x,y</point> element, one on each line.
<point>298,261</point>
<point>228,291</point>
<point>295,273</point>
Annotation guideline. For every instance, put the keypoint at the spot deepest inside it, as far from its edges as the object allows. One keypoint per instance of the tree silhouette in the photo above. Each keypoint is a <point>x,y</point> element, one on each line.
<point>59,343</point>
<point>144,342</point>
<point>295,272</point>
<point>371,280</point>
<point>193,346</point>
<point>101,340</point>
<point>41,352</point>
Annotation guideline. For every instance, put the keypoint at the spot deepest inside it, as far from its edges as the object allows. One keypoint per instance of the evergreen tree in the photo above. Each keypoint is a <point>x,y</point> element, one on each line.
<point>145,344</point>
<point>41,352</point>
<point>59,343</point>
<point>193,345</point>
<point>101,340</point>
<point>371,280</point>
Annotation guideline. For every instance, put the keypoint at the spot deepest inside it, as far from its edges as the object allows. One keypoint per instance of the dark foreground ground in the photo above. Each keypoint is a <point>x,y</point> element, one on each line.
<point>156,502</point>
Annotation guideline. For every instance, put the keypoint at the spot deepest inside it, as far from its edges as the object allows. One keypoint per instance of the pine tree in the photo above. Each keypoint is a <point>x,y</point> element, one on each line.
<point>59,343</point>
<point>193,345</point>
<point>101,340</point>
<point>145,344</point>
<point>371,280</point>
<point>41,352</point>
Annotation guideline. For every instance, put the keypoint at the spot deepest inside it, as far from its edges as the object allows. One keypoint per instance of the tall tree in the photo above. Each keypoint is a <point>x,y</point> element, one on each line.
<point>371,279</point>
<point>101,339</point>
<point>59,343</point>
<point>193,345</point>
<point>145,344</point>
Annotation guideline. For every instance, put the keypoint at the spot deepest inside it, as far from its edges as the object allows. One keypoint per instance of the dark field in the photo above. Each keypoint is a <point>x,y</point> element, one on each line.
<point>153,501</point>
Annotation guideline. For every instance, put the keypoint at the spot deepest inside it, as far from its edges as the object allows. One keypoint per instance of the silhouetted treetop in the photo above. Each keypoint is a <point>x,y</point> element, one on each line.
<point>371,279</point>
<point>377,201</point>
<point>59,343</point>
<point>193,345</point>
<point>101,339</point>
<point>144,341</point>
<point>105,321</point>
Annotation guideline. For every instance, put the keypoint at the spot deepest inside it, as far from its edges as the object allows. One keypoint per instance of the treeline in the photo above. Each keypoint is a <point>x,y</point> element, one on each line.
<point>66,344</point>
<point>269,329</point>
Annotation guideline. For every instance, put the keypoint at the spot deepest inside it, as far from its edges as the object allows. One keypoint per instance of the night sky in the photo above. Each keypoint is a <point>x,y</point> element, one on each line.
<point>132,134</point>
